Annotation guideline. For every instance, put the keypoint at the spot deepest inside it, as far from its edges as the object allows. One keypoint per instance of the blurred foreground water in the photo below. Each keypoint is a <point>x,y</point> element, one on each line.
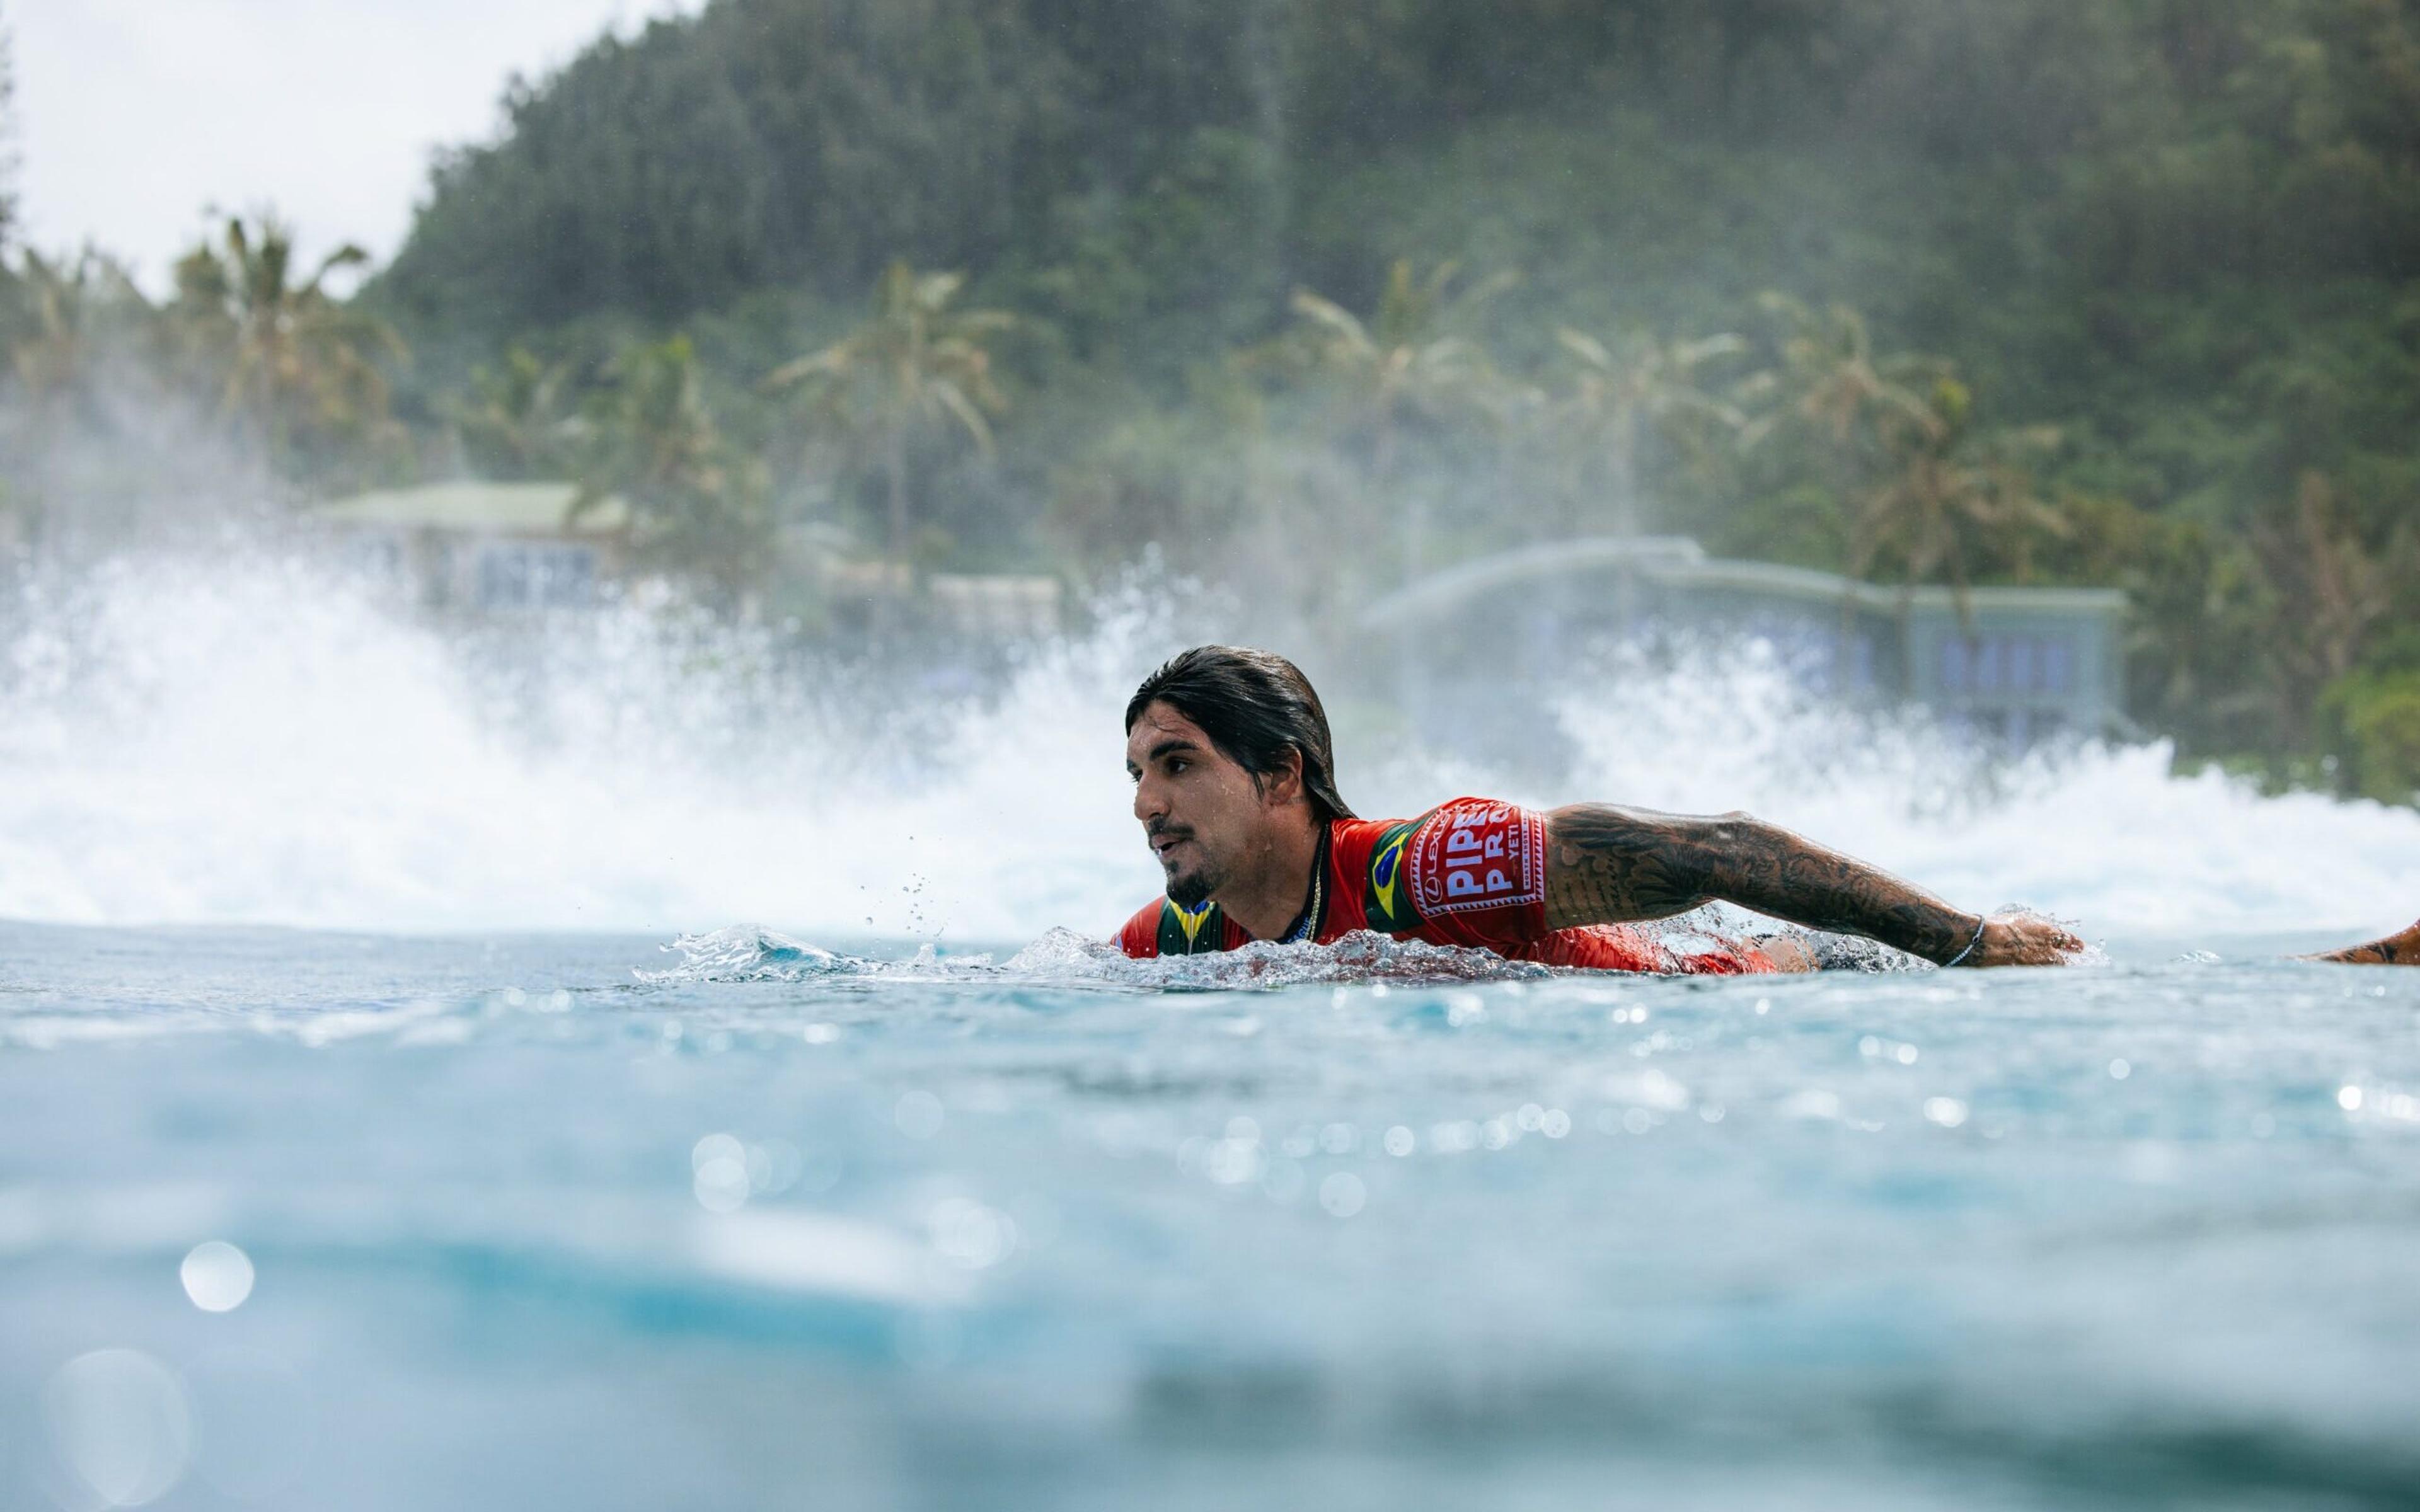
<point>307,1220</point>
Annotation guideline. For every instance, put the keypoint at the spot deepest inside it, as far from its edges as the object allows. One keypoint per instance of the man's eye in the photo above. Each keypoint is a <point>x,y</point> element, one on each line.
<point>1176,764</point>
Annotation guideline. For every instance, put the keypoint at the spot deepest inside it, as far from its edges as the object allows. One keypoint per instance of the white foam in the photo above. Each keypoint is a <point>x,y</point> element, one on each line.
<point>259,741</point>
<point>2107,835</point>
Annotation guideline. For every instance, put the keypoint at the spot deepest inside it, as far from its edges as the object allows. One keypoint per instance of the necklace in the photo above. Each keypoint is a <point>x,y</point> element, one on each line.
<point>1306,924</point>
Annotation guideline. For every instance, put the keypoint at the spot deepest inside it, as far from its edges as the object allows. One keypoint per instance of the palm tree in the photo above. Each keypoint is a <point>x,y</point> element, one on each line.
<point>517,422</point>
<point>1639,386</point>
<point>1948,494</point>
<point>696,505</point>
<point>292,364</point>
<point>2336,590</point>
<point>1829,377</point>
<point>1926,491</point>
<point>65,312</point>
<point>1406,363</point>
<point>915,367</point>
<point>1403,360</point>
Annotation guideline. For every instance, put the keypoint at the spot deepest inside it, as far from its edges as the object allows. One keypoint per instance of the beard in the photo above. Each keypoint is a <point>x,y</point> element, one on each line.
<point>1190,890</point>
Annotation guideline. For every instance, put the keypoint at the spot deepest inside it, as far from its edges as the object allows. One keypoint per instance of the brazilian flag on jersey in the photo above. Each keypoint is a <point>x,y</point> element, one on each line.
<point>1385,901</point>
<point>1190,930</point>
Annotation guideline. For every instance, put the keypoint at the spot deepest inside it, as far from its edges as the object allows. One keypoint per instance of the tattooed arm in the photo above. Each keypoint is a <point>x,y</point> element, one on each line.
<point>2401,949</point>
<point>1609,865</point>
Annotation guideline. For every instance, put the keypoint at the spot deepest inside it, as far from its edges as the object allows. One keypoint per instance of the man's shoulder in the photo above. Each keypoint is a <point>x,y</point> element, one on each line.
<point>1141,935</point>
<point>1368,860</point>
<point>1472,853</point>
<point>1480,858</point>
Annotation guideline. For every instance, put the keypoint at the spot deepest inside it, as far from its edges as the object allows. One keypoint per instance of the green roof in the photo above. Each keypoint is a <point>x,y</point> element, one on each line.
<point>479,508</point>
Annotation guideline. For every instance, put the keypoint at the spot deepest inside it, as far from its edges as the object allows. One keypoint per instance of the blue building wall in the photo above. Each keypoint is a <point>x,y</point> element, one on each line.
<point>2018,664</point>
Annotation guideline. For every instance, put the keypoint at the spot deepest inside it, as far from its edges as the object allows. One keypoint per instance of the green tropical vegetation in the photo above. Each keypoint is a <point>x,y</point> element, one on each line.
<point>914,368</point>
<point>1309,294</point>
<point>298,374</point>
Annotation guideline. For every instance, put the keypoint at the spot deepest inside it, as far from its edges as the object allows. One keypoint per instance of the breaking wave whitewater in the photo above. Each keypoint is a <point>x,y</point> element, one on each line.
<point>265,741</point>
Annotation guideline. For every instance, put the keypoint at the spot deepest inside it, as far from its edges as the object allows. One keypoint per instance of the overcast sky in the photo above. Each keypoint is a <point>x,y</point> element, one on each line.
<point>136,114</point>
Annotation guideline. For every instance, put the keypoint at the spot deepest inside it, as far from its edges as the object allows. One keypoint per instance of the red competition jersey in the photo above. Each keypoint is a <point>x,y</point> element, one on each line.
<point>1468,873</point>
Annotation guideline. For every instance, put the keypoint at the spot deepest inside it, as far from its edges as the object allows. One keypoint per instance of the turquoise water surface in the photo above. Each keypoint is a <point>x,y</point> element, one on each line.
<point>515,1225</point>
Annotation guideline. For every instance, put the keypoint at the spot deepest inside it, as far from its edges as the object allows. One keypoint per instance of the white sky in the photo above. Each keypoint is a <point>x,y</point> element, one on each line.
<point>136,114</point>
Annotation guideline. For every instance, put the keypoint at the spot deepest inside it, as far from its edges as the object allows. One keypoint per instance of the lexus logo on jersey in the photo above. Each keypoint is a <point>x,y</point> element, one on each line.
<point>1472,854</point>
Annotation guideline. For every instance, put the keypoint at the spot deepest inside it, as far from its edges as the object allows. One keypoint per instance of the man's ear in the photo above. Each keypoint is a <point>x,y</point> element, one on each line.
<point>1284,785</point>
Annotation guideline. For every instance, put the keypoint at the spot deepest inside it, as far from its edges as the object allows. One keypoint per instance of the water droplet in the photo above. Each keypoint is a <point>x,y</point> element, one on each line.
<point>715,1147</point>
<point>217,1276</point>
<point>919,1115</point>
<point>119,1423</point>
<point>1232,1162</point>
<point>721,1164</point>
<point>969,1234</point>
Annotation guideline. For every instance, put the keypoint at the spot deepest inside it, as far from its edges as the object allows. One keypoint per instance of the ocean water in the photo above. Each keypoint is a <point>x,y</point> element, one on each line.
<point>369,1140</point>
<point>525,1228</point>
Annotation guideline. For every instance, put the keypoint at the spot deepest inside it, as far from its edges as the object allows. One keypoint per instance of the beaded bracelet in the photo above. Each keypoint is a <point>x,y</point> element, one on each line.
<point>1970,945</point>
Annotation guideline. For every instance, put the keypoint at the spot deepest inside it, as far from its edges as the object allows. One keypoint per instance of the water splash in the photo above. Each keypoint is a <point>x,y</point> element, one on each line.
<point>1065,957</point>
<point>746,953</point>
<point>2107,837</point>
<point>263,741</point>
<point>260,740</point>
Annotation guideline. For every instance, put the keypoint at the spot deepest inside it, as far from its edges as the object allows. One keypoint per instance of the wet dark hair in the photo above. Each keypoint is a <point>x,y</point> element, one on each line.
<point>1253,705</point>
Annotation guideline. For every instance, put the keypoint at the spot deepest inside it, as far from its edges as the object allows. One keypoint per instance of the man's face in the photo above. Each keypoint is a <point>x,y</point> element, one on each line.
<point>1200,812</point>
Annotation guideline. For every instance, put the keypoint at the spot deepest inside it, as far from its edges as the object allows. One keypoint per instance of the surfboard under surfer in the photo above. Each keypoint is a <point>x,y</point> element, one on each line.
<point>1235,789</point>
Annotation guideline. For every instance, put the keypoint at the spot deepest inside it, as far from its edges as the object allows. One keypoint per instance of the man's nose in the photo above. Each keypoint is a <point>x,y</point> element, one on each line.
<point>1150,803</point>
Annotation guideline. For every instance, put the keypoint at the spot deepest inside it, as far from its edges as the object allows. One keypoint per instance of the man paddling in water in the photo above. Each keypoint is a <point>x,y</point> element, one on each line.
<point>1236,786</point>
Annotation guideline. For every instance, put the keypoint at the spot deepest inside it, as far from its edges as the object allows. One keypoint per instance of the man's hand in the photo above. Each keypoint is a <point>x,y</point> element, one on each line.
<point>2022,940</point>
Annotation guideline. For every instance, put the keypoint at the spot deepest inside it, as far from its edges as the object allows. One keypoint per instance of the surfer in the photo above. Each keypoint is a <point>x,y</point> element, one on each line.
<point>1235,789</point>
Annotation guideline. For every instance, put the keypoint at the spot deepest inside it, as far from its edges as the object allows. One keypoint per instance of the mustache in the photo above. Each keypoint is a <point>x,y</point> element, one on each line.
<point>1162,829</point>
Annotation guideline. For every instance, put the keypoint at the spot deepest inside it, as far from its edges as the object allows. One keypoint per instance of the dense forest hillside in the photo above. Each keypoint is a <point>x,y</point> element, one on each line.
<point>1310,293</point>
<point>2130,197</point>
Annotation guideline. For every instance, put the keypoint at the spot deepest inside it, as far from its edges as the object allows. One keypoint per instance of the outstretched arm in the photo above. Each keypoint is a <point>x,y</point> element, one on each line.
<point>2401,949</point>
<point>1610,865</point>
